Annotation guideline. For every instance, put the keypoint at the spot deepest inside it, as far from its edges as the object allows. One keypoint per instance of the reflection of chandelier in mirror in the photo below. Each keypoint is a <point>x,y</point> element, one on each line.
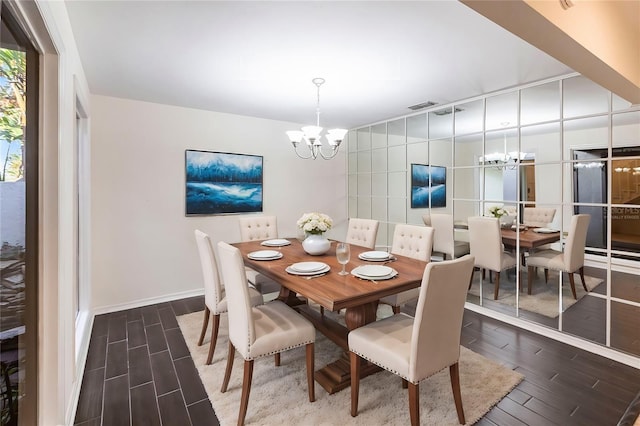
<point>311,134</point>
<point>504,160</point>
<point>634,170</point>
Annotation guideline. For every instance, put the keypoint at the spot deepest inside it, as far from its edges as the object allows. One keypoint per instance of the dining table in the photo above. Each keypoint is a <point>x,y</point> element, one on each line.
<point>334,292</point>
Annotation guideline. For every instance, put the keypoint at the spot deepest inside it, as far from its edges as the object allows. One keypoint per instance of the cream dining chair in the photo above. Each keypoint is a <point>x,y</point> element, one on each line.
<point>411,241</point>
<point>214,295</point>
<point>416,348</point>
<point>571,261</point>
<point>443,237</point>
<point>257,331</point>
<point>259,228</point>
<point>362,232</point>
<point>485,243</point>
<point>538,216</point>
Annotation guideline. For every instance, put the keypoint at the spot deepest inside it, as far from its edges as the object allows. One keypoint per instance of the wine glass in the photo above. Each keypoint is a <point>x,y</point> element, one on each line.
<point>343,253</point>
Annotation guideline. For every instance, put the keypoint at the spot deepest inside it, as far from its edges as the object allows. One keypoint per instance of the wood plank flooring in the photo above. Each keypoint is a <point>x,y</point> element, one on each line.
<point>139,372</point>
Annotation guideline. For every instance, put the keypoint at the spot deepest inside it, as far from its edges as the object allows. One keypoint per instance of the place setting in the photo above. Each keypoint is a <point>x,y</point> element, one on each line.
<point>277,242</point>
<point>265,255</point>
<point>545,230</point>
<point>308,269</point>
<point>374,272</point>
<point>376,256</point>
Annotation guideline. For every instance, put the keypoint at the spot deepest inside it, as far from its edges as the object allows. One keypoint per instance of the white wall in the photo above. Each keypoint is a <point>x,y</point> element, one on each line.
<point>143,245</point>
<point>12,214</point>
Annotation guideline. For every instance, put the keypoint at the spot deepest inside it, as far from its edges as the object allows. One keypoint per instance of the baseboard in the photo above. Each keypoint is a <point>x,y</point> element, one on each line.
<point>145,302</point>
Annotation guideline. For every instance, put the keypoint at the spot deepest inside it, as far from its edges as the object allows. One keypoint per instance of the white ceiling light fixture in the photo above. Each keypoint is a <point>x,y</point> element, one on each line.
<point>311,134</point>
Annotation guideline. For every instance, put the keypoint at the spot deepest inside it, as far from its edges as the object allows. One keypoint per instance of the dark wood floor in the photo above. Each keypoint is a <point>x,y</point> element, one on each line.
<point>139,372</point>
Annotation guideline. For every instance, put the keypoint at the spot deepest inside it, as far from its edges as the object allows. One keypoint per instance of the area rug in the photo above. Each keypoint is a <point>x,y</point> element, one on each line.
<point>544,296</point>
<point>279,394</point>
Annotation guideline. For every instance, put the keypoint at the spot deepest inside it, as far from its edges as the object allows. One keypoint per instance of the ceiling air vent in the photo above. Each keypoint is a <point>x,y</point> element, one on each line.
<point>447,111</point>
<point>422,105</point>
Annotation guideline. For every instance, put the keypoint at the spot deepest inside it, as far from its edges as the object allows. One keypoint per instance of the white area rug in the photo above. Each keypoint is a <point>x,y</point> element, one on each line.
<point>279,394</point>
<point>544,296</point>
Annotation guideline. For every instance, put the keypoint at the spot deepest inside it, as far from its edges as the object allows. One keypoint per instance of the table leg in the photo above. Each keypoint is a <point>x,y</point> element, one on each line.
<point>337,375</point>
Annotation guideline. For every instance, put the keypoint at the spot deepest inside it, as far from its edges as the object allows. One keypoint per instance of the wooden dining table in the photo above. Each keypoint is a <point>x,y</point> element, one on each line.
<point>528,239</point>
<point>358,297</point>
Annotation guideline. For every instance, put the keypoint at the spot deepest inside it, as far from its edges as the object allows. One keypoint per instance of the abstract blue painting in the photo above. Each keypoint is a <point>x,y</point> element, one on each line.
<point>428,184</point>
<point>222,183</point>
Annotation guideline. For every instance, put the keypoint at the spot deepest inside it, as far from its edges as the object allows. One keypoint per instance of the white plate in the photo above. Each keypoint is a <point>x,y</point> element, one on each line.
<point>392,274</point>
<point>278,242</point>
<point>372,271</point>
<point>545,230</point>
<point>308,266</point>
<point>323,270</point>
<point>264,255</point>
<point>374,255</point>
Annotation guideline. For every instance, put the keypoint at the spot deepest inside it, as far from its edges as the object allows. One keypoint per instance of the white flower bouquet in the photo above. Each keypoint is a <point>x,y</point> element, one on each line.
<point>497,211</point>
<point>315,223</point>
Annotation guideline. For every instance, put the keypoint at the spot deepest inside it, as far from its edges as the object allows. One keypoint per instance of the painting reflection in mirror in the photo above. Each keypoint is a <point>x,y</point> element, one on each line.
<point>428,186</point>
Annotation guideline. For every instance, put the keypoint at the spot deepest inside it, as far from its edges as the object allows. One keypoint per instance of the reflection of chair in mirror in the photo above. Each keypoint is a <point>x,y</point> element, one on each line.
<point>443,238</point>
<point>426,218</point>
<point>362,232</point>
<point>259,228</point>
<point>416,348</point>
<point>571,261</point>
<point>261,330</point>
<point>485,243</point>
<point>411,241</point>
<point>214,295</point>
<point>538,216</point>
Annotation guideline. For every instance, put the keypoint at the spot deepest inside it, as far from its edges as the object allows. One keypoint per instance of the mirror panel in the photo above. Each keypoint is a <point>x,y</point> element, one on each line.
<point>364,138</point>
<point>468,150</point>
<point>353,162</point>
<point>440,152</point>
<point>585,134</point>
<point>468,117</point>
<point>624,329</point>
<point>379,160</point>
<point>364,207</point>
<point>540,103</point>
<point>441,123</point>
<point>397,208</point>
<point>352,141</point>
<point>581,97</point>
<point>502,111</point>
<point>379,184</point>
<point>397,158</point>
<point>353,184</point>
<point>417,129</point>
<point>353,207</point>
<point>379,135</point>
<point>364,184</point>
<point>364,161</point>
<point>418,153</point>
<point>379,208</point>
<point>626,130</point>
<point>461,187</point>
<point>398,185</point>
<point>396,133</point>
<point>543,141</point>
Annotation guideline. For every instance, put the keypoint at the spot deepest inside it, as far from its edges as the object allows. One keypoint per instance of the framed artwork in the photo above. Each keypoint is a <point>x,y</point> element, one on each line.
<point>222,183</point>
<point>428,185</point>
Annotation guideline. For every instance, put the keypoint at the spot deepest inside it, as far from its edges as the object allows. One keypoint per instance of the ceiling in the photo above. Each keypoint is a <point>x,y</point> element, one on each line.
<point>258,58</point>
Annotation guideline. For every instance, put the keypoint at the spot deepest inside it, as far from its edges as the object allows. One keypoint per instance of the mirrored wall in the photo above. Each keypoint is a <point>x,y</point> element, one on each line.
<point>565,147</point>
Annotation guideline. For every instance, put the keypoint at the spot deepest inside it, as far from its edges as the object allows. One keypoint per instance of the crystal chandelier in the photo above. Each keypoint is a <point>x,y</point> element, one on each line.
<point>311,135</point>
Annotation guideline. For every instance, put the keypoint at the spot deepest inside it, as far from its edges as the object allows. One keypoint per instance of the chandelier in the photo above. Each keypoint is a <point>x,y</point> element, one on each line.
<point>311,135</point>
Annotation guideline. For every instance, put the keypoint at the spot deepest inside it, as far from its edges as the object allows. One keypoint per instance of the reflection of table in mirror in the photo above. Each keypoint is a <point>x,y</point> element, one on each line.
<point>527,239</point>
<point>334,292</point>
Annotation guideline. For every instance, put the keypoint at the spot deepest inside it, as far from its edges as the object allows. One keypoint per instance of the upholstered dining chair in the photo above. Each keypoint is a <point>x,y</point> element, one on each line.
<point>571,261</point>
<point>362,232</point>
<point>214,295</point>
<point>485,244</point>
<point>259,228</point>
<point>416,348</point>
<point>257,331</point>
<point>410,241</point>
<point>538,216</point>
<point>443,237</point>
